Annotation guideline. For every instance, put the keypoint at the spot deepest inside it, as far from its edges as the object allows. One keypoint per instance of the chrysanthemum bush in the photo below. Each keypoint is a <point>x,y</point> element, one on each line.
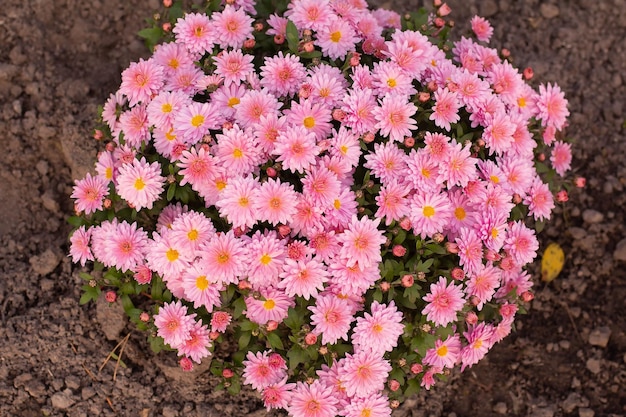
<point>333,205</point>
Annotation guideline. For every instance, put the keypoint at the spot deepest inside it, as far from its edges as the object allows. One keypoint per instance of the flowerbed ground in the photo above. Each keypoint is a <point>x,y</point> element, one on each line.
<point>60,59</point>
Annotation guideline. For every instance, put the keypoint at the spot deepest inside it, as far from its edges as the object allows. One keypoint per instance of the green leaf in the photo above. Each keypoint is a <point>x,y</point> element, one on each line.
<point>85,276</point>
<point>293,37</point>
<point>152,36</point>
<point>413,387</point>
<point>90,293</point>
<point>296,356</point>
<point>156,290</point>
<point>76,221</point>
<point>244,340</point>
<point>247,325</point>
<point>175,11</point>
<point>274,341</point>
<point>294,319</point>
<point>156,343</point>
<point>171,191</point>
<point>127,303</point>
<point>311,55</point>
<point>235,387</point>
<point>239,306</point>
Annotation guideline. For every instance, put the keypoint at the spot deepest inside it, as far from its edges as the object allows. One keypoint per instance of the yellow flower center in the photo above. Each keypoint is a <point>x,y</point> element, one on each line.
<point>459,213</point>
<point>377,328</point>
<point>425,173</point>
<point>477,344</point>
<point>237,153</point>
<point>193,234</point>
<point>166,108</point>
<point>173,63</point>
<point>139,184</point>
<point>335,36</point>
<point>442,351</point>
<point>343,149</point>
<point>220,184</point>
<point>494,179</point>
<point>202,283</point>
<point>337,204</point>
<point>222,258</point>
<point>269,304</point>
<point>521,102</point>
<point>366,412</point>
<point>266,259</point>
<point>197,120</point>
<point>429,211</point>
<point>494,233</point>
<point>243,202</point>
<point>108,173</point>
<point>309,122</point>
<point>391,82</point>
<point>233,101</point>
<point>169,135</point>
<point>171,254</point>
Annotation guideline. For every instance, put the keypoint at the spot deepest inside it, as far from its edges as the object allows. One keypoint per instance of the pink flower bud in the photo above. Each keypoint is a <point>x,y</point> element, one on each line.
<point>276,361</point>
<point>457,273</point>
<point>240,231</point>
<point>508,310</point>
<point>310,339</point>
<point>308,47</point>
<point>549,135</point>
<point>227,373</point>
<point>438,237</point>
<point>405,224</point>
<point>167,3</point>
<point>527,296</point>
<point>110,147</point>
<point>439,22</point>
<point>399,251</point>
<point>436,3</point>
<point>167,26</point>
<point>394,385</point>
<point>432,85</point>
<point>384,286</point>
<point>580,182</point>
<point>409,141</point>
<point>272,325</point>
<point>474,300</point>
<point>408,280</point>
<point>244,285</point>
<point>444,10</point>
<point>517,198</point>
<point>249,43</point>
<point>541,157</point>
<point>97,134</point>
<point>355,59</point>
<point>258,26</point>
<point>505,53</point>
<point>528,73</point>
<point>110,296</point>
<point>471,318</point>
<point>339,115</point>
<point>307,33</point>
<point>107,203</point>
<point>423,96</point>
<point>144,316</point>
<point>271,172</point>
<point>284,230</point>
<point>492,256</point>
<point>186,364</point>
<point>393,404</point>
<point>562,196</point>
<point>416,368</point>
<point>214,335</point>
<point>369,137</point>
<point>279,39</point>
<point>452,247</point>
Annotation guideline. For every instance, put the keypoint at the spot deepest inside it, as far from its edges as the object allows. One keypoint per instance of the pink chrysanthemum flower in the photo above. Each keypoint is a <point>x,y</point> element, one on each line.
<point>521,243</point>
<point>378,331</point>
<point>331,318</point>
<point>232,27</point>
<point>168,216</point>
<point>235,203</point>
<point>110,111</point>
<point>105,166</point>
<point>321,186</point>
<point>309,14</point>
<point>352,280</point>
<point>471,89</point>
<point>196,347</point>
<point>470,250</point>
<point>539,200</point>
<point>188,80</point>
<point>390,78</point>
<point>552,106</point>
<point>392,202</point>
<point>237,151</point>
<point>172,56</point>
<point>342,210</point>
<point>519,173</point>
<point>444,302</point>
<point>463,213</point>
<point>445,354</point>
<point>314,117</point>
<point>163,107</point>
<point>140,183</point>
<point>174,324</point>
<point>165,258</point>
<point>387,162</point>
<point>277,25</point>
<point>195,120</point>
<point>127,246</point>
<point>142,274</point>
<point>376,405</point>
<point>428,380</point>
<point>277,395</point>
<point>430,213</point>
<point>506,81</point>
<point>258,372</point>
<point>266,254</point>
<point>423,171</point>
<point>395,117</point>
<point>141,80</point>
<point>481,28</point>
<point>224,256</point>
<point>90,193</point>
<point>227,98</point>
<point>364,373</point>
<point>234,66</point>
<point>275,202</point>
<point>314,400</point>
<point>495,198</point>
<point>197,32</point>
<point>479,342</point>
<point>168,144</point>
<point>80,251</point>
<point>359,105</point>
<point>200,290</point>
<point>266,131</point>
<point>561,157</point>
<point>361,242</point>
<point>190,230</point>
<point>459,167</point>
<point>282,74</point>
<point>491,229</point>
<point>220,321</point>
<point>307,216</point>
<point>134,124</point>
<point>273,305</point>
<point>388,18</point>
<point>498,134</point>
<point>255,105</point>
<point>446,108</point>
<point>483,283</point>
<point>304,278</point>
<point>345,145</point>
<point>198,166</point>
<point>336,39</point>
<point>437,146</point>
<point>328,86</point>
<point>324,244</point>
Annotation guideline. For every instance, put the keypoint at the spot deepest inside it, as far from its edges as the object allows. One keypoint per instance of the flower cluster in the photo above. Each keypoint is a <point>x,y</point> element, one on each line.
<point>344,193</point>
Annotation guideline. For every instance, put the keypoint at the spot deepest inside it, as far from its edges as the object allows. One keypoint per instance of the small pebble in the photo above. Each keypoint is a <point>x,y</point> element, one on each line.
<point>593,365</point>
<point>592,216</point>
<point>600,336</point>
<point>585,412</point>
<point>549,11</point>
<point>500,408</point>
<point>62,400</point>
<point>620,251</point>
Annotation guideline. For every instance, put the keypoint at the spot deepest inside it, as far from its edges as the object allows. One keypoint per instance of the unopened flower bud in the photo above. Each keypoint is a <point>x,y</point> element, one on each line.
<point>528,73</point>
<point>517,198</point>
<point>562,196</point>
<point>438,237</point>
<point>452,247</point>
<point>339,115</point>
<point>444,10</point>
<point>97,134</point>
<point>249,43</point>
<point>272,325</point>
<point>492,256</point>
<point>471,318</point>
<point>255,332</point>
<point>369,137</point>
<point>409,141</point>
<point>244,285</point>
<point>432,85</point>
<point>227,373</point>
<point>416,368</point>
<point>305,91</point>
<point>527,296</point>
<point>457,273</point>
<point>355,59</point>
<point>240,231</point>
<point>480,142</point>
<point>423,96</point>
<point>474,300</point>
<point>186,364</point>
<point>167,3</point>
<point>421,275</point>
<point>401,362</point>
<point>394,404</point>
<point>284,230</point>
<point>258,26</point>
<point>394,385</point>
<point>308,46</point>
<point>214,335</point>
<point>436,3</point>
<point>271,172</point>
<point>408,280</point>
<point>384,286</point>
<point>143,316</point>
<point>505,53</point>
<point>171,179</point>
<point>359,193</point>
<point>405,223</point>
<point>310,339</point>
<point>398,250</point>
<point>106,203</point>
<point>323,350</point>
<point>439,22</point>
<point>166,26</point>
<point>541,157</point>
<point>279,39</point>
<point>93,283</point>
<point>307,33</point>
<point>580,182</point>
<point>508,310</point>
<point>426,328</point>
<point>110,296</point>
<point>110,147</point>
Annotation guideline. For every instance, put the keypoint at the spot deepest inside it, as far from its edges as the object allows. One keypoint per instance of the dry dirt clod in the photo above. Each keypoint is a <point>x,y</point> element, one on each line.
<point>600,336</point>
<point>62,400</point>
<point>592,216</point>
<point>594,365</point>
<point>549,11</point>
<point>620,251</point>
<point>586,412</point>
<point>45,263</point>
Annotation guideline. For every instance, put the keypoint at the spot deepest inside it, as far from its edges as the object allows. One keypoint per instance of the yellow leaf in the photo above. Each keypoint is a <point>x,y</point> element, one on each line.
<point>552,262</point>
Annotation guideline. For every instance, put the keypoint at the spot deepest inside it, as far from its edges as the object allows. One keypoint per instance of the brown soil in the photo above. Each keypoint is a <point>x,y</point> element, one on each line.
<point>60,59</point>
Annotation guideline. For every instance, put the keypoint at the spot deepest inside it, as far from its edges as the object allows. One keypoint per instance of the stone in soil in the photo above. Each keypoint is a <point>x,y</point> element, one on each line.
<point>620,251</point>
<point>62,400</point>
<point>593,365</point>
<point>586,412</point>
<point>45,263</point>
<point>592,216</point>
<point>600,336</point>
